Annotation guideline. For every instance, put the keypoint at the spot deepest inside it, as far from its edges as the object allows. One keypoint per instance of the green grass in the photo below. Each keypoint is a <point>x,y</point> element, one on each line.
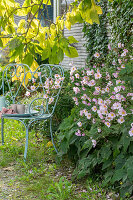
<point>40,177</point>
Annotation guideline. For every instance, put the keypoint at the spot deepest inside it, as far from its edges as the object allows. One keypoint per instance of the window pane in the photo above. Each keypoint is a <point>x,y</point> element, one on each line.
<point>46,14</point>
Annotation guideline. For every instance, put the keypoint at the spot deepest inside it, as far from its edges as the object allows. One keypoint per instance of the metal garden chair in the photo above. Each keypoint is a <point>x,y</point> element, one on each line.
<point>19,78</point>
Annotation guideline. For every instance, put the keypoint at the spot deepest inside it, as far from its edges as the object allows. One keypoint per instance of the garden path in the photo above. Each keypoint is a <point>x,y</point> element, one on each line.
<point>10,188</point>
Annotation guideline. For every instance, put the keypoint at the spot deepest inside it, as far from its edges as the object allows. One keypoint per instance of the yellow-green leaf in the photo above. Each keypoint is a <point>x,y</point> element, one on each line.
<point>48,2</point>
<point>68,24</point>
<point>2,10</point>
<point>99,10</point>
<point>34,10</point>
<point>21,26</point>
<point>23,11</point>
<point>63,42</point>
<point>46,53</point>
<point>27,3</point>
<point>94,16</point>
<point>34,66</point>
<point>72,40</point>
<point>1,43</point>
<point>71,52</point>
<point>10,29</point>
<point>5,41</point>
<point>60,55</point>
<point>54,59</point>
<point>12,3</point>
<point>28,59</point>
<point>16,52</point>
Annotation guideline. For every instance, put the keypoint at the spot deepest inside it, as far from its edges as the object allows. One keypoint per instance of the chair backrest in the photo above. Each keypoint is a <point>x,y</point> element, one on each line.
<point>13,81</point>
<point>20,80</point>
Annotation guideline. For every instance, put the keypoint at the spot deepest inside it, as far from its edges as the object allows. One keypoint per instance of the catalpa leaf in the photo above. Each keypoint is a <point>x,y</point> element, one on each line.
<point>60,54</point>
<point>1,43</point>
<point>48,2</point>
<point>27,3</point>
<point>34,66</point>
<point>23,11</point>
<point>28,59</point>
<point>71,52</point>
<point>99,10</point>
<point>68,24</point>
<point>94,16</point>
<point>46,53</point>
<point>15,42</point>
<point>16,52</point>
<point>72,40</point>
<point>12,3</point>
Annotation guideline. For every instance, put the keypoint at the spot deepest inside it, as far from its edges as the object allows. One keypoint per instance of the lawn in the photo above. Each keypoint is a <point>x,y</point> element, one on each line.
<point>42,176</point>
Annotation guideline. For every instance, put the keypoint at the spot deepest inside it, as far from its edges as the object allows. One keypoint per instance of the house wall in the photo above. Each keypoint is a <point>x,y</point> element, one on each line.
<point>79,61</point>
<point>17,18</point>
<point>76,31</point>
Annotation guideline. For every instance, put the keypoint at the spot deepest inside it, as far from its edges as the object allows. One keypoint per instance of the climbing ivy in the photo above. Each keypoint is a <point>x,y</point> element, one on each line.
<point>120,21</point>
<point>96,36</point>
<point>115,27</point>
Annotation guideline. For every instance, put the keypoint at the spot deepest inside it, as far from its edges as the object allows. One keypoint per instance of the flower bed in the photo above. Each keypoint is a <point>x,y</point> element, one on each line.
<point>99,132</point>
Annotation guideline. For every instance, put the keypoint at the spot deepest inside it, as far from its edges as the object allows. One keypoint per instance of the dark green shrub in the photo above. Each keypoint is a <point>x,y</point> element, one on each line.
<point>110,156</point>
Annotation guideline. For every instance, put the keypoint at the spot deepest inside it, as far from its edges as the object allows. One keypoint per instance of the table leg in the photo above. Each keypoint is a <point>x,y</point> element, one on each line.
<point>52,135</point>
<point>26,145</point>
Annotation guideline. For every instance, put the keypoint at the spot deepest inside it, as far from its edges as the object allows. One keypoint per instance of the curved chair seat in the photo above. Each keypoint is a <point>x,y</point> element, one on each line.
<point>25,116</point>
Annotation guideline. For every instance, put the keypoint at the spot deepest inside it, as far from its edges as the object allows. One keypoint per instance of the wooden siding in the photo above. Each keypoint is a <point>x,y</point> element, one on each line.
<point>76,31</point>
<point>79,61</point>
<point>17,18</point>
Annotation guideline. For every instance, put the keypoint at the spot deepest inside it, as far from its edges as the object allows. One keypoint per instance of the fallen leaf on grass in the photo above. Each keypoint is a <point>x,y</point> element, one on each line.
<point>13,138</point>
<point>8,169</point>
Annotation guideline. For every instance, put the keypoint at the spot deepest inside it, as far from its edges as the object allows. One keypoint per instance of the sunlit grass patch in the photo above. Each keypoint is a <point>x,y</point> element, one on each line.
<point>13,148</point>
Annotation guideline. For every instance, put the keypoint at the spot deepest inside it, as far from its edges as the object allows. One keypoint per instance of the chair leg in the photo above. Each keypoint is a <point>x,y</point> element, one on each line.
<point>52,135</point>
<point>26,144</point>
<point>2,130</point>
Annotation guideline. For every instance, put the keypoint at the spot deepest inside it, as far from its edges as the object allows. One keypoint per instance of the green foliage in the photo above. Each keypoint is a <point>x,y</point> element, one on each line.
<point>69,143</point>
<point>6,84</point>
<point>65,103</point>
<point>60,190</point>
<point>119,30</point>
<point>96,36</point>
<point>127,74</point>
<point>111,158</point>
<point>121,26</point>
<point>39,174</point>
<point>33,178</point>
<point>29,39</point>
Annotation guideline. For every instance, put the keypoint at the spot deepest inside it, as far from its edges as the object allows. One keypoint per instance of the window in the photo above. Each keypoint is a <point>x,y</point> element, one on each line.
<point>49,13</point>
